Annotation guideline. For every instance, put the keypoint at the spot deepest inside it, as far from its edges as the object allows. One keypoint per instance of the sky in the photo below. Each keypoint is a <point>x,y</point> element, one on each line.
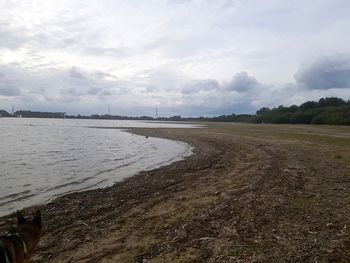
<point>182,57</point>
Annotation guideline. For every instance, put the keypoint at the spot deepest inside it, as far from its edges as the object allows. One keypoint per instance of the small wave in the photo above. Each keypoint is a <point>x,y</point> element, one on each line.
<point>104,171</point>
<point>14,195</point>
<point>80,189</point>
<point>53,151</point>
<point>70,183</point>
<point>13,200</point>
<point>63,161</point>
<point>117,167</point>
<point>112,160</point>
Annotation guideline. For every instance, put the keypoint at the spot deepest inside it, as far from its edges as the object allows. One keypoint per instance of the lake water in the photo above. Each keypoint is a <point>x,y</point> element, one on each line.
<point>41,159</point>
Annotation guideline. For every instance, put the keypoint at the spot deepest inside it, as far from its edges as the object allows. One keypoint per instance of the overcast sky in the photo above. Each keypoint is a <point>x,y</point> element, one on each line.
<point>183,57</point>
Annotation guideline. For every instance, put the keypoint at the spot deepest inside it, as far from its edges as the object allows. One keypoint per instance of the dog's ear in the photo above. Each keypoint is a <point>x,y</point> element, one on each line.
<point>20,218</point>
<point>37,218</point>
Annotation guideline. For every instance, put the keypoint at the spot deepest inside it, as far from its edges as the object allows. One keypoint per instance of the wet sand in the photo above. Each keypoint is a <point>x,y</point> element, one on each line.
<point>250,193</point>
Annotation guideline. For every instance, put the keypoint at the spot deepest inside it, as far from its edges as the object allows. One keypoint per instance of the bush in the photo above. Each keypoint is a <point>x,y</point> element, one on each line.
<point>334,115</point>
<point>302,117</point>
<point>281,119</point>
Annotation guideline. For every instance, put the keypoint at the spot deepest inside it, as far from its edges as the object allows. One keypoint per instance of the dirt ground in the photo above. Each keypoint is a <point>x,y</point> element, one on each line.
<point>249,193</point>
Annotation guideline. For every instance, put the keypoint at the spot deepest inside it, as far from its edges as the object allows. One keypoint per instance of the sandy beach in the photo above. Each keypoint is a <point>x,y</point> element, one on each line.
<point>249,193</point>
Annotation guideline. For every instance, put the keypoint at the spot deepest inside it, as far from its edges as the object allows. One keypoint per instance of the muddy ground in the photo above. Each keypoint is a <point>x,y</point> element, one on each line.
<point>250,193</point>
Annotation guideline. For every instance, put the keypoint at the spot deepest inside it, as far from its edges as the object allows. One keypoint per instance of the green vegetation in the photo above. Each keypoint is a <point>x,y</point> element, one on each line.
<point>331,110</point>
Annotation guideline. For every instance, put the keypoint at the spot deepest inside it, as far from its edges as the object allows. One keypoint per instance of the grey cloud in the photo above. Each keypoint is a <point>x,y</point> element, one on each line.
<point>79,91</point>
<point>147,88</point>
<point>106,93</point>
<point>75,73</point>
<point>242,82</point>
<point>151,89</point>
<point>9,91</point>
<point>200,85</point>
<point>101,74</point>
<point>11,38</point>
<point>325,73</point>
<point>115,52</point>
<point>178,1</point>
<point>73,91</point>
<point>93,90</point>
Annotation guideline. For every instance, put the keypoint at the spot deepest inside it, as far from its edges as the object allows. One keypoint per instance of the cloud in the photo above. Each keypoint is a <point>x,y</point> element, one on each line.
<point>151,89</point>
<point>9,91</point>
<point>104,75</point>
<point>94,90</point>
<point>179,55</point>
<point>79,91</point>
<point>10,39</point>
<point>106,93</point>
<point>242,82</point>
<point>75,73</point>
<point>72,91</point>
<point>200,85</point>
<point>327,72</point>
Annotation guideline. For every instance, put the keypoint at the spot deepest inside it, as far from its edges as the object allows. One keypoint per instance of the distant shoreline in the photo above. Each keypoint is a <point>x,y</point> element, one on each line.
<point>329,110</point>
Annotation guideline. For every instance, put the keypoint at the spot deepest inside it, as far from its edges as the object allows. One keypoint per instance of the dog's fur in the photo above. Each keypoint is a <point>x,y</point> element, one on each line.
<point>26,233</point>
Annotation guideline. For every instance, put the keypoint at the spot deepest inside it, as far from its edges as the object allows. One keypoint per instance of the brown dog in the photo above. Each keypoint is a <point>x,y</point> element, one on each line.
<point>19,243</point>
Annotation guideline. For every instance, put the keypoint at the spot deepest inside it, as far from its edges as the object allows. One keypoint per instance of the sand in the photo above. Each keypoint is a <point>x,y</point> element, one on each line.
<point>249,193</point>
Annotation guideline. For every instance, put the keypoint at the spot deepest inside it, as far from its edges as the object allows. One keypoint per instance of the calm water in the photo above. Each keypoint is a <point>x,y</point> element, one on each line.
<point>43,158</point>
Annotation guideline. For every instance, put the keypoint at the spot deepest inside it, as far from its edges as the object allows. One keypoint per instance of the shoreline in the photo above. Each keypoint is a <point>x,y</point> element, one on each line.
<point>238,197</point>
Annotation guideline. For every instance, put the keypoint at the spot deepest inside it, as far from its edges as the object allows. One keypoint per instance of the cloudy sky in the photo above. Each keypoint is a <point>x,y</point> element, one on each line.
<point>187,57</point>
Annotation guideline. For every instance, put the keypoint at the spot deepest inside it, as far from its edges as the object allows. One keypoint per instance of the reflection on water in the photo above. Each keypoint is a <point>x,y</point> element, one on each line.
<point>43,158</point>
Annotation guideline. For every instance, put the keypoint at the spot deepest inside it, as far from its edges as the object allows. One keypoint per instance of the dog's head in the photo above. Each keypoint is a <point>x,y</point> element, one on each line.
<point>35,221</point>
<point>32,227</point>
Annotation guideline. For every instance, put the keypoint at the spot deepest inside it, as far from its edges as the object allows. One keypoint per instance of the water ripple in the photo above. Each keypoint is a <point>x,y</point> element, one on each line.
<point>44,158</point>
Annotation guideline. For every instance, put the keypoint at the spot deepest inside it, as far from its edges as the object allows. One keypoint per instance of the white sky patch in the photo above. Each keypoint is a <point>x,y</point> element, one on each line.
<point>143,54</point>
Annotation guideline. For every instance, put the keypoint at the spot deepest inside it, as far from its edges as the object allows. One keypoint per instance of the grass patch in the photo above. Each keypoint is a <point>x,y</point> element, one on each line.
<point>301,133</point>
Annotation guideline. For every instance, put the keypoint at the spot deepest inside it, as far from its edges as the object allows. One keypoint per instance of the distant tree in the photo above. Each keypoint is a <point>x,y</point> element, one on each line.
<point>302,117</point>
<point>4,113</point>
<point>293,108</point>
<point>281,119</point>
<point>308,105</point>
<point>263,111</point>
<point>331,101</point>
<point>175,118</point>
<point>39,114</point>
<point>334,115</point>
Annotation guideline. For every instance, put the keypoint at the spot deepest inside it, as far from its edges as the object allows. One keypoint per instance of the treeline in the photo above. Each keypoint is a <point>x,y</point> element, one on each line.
<point>223,118</point>
<point>107,117</point>
<point>4,113</point>
<point>331,110</point>
<point>60,115</point>
<point>38,114</point>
